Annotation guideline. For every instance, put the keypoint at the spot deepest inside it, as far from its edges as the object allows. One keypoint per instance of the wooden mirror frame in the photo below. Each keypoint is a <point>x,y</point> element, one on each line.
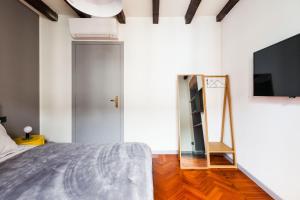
<point>211,147</point>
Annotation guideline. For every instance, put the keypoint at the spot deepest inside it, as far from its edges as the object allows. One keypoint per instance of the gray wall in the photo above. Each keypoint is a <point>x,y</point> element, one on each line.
<point>19,66</point>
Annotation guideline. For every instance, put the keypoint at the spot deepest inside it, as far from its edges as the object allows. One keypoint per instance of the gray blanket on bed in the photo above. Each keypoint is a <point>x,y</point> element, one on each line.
<point>74,171</point>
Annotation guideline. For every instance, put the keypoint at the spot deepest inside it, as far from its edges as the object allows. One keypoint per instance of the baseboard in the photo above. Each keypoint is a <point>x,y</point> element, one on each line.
<point>186,153</point>
<point>255,180</point>
<point>172,152</point>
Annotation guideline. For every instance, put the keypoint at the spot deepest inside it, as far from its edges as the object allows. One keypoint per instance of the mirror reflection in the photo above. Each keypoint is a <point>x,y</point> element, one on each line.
<point>191,121</point>
<point>205,122</point>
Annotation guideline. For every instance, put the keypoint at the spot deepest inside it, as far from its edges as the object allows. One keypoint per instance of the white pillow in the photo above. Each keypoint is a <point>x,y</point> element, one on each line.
<point>7,145</point>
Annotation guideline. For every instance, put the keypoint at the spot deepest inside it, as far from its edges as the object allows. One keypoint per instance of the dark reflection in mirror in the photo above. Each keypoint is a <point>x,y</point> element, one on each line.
<point>191,111</point>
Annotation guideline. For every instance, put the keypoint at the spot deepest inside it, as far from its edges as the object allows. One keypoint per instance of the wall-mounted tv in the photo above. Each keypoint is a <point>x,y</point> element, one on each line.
<point>277,69</point>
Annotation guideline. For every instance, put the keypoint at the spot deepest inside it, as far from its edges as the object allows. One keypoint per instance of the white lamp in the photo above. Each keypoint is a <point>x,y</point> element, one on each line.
<point>27,131</point>
<point>98,8</point>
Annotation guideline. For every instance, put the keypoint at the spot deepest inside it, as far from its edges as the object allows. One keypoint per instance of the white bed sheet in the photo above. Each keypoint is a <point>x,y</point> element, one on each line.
<point>20,149</point>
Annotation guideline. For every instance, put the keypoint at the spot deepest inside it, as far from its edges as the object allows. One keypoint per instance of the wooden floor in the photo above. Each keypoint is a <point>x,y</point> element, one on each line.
<point>171,183</point>
<point>188,161</point>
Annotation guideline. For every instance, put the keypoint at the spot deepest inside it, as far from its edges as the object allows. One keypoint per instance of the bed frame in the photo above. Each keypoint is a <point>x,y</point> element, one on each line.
<point>3,120</point>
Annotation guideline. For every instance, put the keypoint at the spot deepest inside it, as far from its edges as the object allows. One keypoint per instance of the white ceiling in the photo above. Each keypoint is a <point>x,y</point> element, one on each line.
<point>143,8</point>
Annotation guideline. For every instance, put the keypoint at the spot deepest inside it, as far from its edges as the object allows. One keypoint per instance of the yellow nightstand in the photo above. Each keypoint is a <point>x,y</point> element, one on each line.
<point>35,140</point>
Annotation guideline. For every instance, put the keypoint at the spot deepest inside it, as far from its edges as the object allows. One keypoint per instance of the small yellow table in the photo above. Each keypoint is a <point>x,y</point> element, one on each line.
<point>35,140</point>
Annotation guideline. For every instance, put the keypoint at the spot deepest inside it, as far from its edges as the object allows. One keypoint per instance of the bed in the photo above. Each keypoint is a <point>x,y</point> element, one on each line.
<point>76,171</point>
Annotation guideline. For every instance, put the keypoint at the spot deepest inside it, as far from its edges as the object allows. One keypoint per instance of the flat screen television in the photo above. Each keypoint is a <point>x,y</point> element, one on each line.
<point>277,69</point>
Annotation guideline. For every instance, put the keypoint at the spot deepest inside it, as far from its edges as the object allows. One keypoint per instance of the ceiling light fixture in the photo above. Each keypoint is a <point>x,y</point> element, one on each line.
<point>98,8</point>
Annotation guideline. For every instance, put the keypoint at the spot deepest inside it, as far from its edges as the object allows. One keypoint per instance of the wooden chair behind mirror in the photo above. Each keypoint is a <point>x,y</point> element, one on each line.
<point>205,125</point>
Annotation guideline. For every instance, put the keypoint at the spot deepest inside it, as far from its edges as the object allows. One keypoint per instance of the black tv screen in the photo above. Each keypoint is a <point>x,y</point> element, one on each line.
<point>277,69</point>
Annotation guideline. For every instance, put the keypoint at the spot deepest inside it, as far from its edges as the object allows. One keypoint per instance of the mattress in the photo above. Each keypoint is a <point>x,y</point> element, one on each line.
<point>76,171</point>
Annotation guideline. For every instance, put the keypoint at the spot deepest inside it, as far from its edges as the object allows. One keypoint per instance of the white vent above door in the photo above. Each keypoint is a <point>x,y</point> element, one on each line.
<point>94,28</point>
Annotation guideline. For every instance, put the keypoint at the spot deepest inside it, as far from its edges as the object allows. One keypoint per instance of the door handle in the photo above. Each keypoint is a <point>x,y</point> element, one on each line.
<point>116,100</point>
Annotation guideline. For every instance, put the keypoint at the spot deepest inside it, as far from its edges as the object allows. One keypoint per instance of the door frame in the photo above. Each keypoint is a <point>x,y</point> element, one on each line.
<point>119,43</point>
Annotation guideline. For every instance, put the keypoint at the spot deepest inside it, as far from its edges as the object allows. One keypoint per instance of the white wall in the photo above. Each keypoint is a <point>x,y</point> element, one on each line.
<point>153,56</point>
<point>214,108</point>
<point>185,118</point>
<point>55,80</point>
<point>267,129</point>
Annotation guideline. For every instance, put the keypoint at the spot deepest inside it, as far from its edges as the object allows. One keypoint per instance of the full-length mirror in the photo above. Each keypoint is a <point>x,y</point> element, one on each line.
<point>191,117</point>
<point>205,122</point>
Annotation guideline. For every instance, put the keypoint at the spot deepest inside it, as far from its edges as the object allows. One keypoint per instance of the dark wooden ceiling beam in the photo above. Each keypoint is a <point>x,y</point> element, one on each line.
<point>41,8</point>
<point>78,12</point>
<point>121,17</point>
<point>155,11</point>
<point>227,8</point>
<point>194,4</point>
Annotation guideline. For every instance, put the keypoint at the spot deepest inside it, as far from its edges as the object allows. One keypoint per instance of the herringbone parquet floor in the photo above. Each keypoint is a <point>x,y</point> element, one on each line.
<point>171,183</point>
